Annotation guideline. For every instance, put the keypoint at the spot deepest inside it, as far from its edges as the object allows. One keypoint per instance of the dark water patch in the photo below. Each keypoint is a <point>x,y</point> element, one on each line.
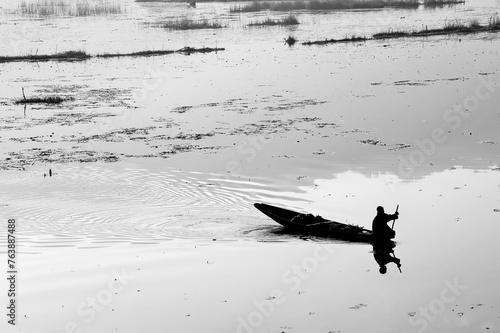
<point>85,96</point>
<point>408,83</point>
<point>322,152</point>
<point>182,109</point>
<point>294,105</point>
<point>419,82</point>
<point>372,142</point>
<point>187,147</point>
<point>327,125</point>
<point>69,118</point>
<point>120,135</point>
<point>400,146</point>
<point>355,130</point>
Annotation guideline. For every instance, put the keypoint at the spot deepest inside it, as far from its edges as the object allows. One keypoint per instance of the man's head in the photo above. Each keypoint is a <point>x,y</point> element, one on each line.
<point>383,269</point>
<point>380,209</point>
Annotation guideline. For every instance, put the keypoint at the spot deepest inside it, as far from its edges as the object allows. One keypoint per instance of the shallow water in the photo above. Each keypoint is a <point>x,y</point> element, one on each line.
<point>157,161</point>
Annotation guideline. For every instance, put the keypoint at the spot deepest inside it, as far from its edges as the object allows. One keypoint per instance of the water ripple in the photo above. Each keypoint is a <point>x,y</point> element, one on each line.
<point>95,205</point>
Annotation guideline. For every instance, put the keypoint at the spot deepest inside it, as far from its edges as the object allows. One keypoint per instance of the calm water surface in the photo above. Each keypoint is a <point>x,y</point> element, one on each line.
<point>316,129</point>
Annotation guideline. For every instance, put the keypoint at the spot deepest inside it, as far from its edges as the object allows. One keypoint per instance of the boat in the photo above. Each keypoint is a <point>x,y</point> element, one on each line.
<point>316,225</point>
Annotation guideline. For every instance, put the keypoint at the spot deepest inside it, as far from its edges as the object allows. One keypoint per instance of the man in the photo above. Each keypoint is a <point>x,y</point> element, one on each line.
<point>379,226</point>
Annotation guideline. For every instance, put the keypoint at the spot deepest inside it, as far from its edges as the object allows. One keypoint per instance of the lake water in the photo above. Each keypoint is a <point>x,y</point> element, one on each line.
<point>156,163</point>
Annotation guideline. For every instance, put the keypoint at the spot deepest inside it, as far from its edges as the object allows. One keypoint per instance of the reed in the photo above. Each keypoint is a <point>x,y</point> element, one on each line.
<point>187,24</point>
<point>48,8</point>
<point>257,6</point>
<point>42,100</point>
<point>287,20</point>
<point>450,27</point>
<point>69,55</point>
<point>80,55</point>
<point>441,3</point>
<point>494,23</point>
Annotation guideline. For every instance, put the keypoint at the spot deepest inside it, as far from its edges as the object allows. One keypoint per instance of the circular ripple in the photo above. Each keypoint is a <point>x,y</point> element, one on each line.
<point>95,205</point>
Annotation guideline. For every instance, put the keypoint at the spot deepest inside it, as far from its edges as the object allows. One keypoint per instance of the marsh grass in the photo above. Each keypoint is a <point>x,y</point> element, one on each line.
<point>257,6</point>
<point>450,27</point>
<point>76,8</point>
<point>351,39</point>
<point>43,100</point>
<point>441,3</point>
<point>494,23</point>
<point>81,55</point>
<point>68,55</point>
<point>287,20</point>
<point>187,24</point>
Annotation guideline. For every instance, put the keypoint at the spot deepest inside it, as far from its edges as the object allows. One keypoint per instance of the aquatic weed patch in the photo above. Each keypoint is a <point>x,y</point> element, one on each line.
<point>450,27</point>
<point>68,56</point>
<point>187,24</point>
<point>43,100</point>
<point>287,20</point>
<point>27,157</point>
<point>81,55</point>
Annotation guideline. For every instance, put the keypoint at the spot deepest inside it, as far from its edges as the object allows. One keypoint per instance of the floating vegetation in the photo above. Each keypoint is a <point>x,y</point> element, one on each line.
<point>43,100</point>
<point>70,8</point>
<point>81,55</point>
<point>187,24</point>
<point>290,40</point>
<point>287,20</point>
<point>453,27</point>
<point>68,55</point>
<point>441,3</point>
<point>333,41</point>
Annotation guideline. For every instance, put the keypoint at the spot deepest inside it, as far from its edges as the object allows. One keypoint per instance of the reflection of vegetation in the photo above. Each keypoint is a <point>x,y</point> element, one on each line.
<point>70,8</point>
<point>288,20</point>
<point>186,24</point>
<point>257,6</point>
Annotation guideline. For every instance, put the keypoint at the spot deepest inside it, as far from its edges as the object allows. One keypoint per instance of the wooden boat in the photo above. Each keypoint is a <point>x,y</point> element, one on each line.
<point>315,225</point>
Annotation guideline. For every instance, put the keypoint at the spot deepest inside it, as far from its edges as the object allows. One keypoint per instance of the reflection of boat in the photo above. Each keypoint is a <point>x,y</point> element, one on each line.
<point>315,225</point>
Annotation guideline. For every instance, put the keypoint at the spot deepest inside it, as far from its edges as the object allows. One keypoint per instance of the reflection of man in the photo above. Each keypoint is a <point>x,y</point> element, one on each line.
<point>382,254</point>
<point>379,226</point>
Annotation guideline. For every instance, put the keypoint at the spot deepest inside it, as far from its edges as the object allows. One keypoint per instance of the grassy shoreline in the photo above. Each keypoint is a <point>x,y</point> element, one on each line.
<point>81,55</point>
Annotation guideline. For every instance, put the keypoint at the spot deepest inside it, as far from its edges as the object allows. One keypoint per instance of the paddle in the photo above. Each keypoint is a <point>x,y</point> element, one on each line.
<point>394,219</point>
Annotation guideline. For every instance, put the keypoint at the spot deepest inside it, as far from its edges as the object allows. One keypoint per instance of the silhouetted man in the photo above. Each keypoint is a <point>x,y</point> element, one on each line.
<point>379,226</point>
